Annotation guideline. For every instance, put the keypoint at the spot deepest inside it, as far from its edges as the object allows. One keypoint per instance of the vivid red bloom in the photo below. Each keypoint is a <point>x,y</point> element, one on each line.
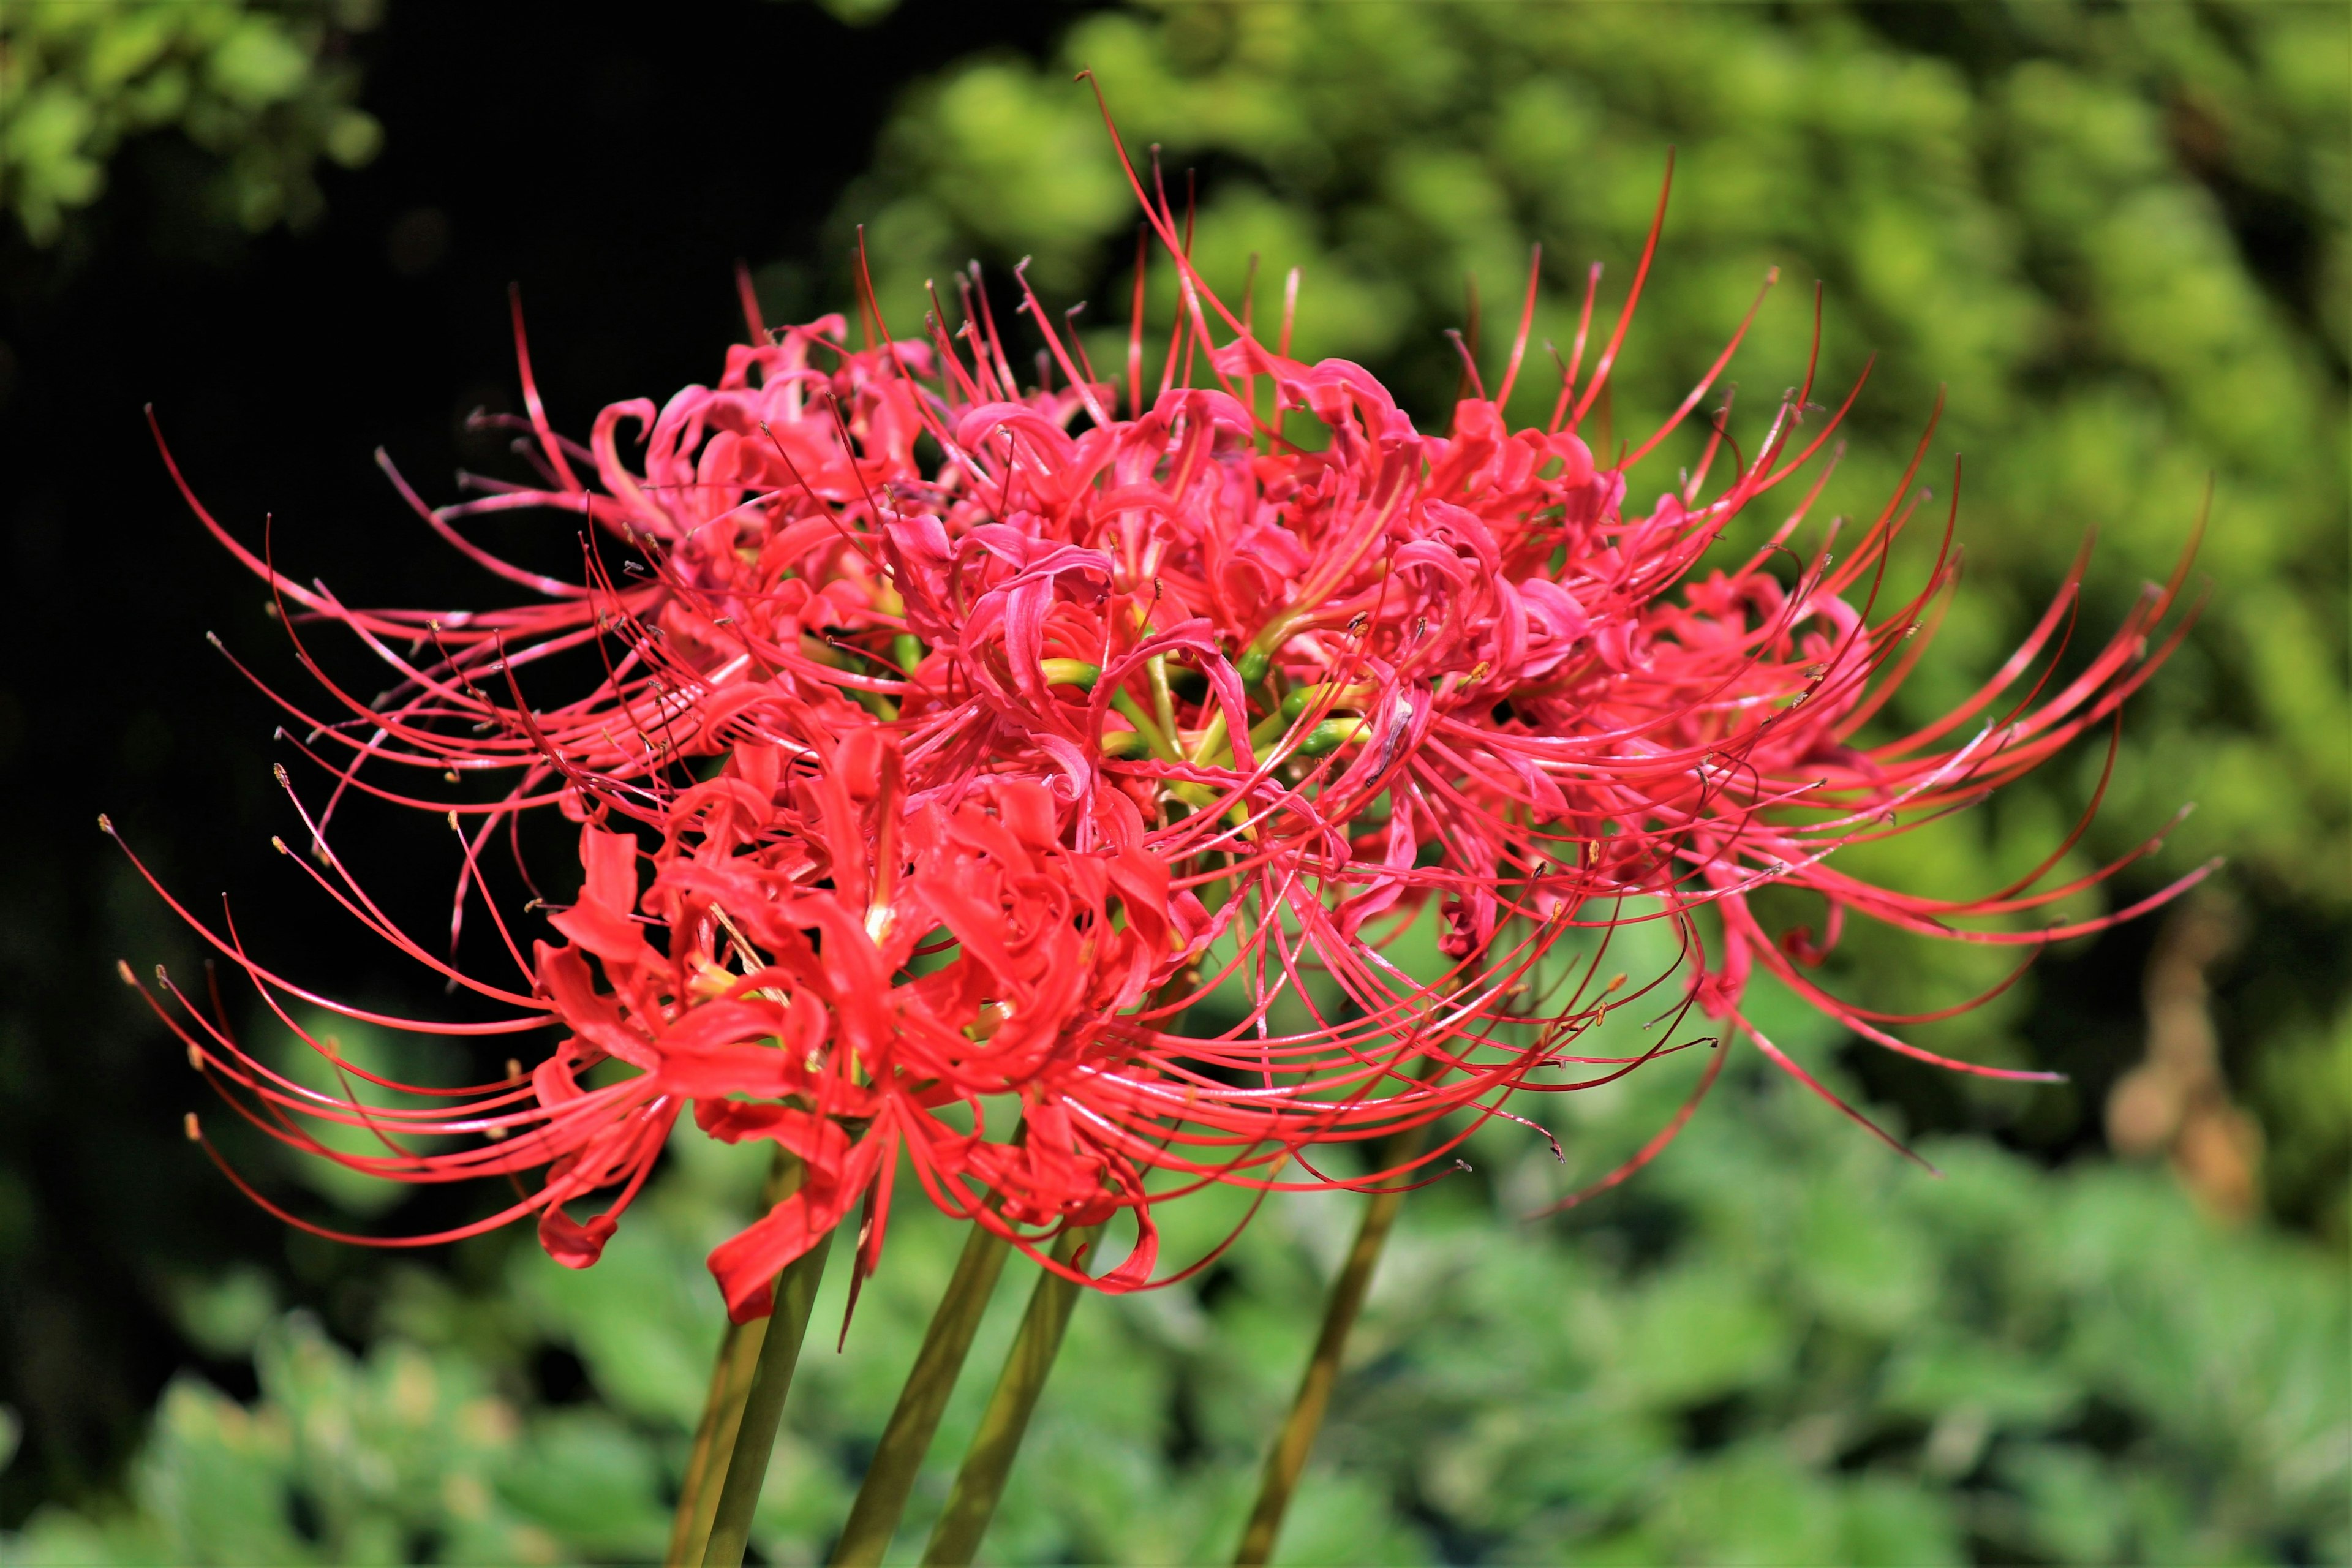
<point>909,781</point>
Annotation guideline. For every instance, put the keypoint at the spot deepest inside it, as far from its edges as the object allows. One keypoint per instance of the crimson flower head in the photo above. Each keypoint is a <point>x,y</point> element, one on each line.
<point>948,739</point>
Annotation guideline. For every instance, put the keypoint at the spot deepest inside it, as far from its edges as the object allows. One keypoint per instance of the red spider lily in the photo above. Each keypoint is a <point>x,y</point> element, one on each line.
<point>966,776</point>
<point>795,976</point>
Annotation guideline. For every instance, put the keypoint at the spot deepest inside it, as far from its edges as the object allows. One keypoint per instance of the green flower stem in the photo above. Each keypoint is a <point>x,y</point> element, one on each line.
<point>1296,1438</point>
<point>890,1474</point>
<point>1163,696</point>
<point>980,1482</point>
<point>763,1406</point>
<point>1211,746</point>
<point>1292,1445</point>
<point>1157,739</point>
<point>1074,672</point>
<point>722,1412</point>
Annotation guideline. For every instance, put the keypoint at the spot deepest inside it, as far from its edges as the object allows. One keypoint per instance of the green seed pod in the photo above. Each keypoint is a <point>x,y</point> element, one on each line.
<point>1330,735</point>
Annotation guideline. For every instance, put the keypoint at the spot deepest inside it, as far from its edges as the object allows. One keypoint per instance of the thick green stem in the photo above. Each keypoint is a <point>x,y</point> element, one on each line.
<point>763,1406</point>
<point>714,1442</point>
<point>1164,696</point>
<point>1292,1445</point>
<point>1296,1438</point>
<point>722,1411</point>
<point>980,1482</point>
<point>890,1474</point>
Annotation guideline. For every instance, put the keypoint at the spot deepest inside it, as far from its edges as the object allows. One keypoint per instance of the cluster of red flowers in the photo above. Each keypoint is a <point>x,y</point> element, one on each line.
<point>947,741</point>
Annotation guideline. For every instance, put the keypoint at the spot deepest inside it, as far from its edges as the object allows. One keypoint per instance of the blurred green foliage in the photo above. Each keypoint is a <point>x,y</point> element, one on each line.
<point>1777,1346</point>
<point>2114,237</point>
<point>259,87</point>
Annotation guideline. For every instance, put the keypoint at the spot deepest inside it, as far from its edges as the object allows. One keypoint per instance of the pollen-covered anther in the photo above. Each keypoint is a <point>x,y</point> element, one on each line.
<point>192,1129</point>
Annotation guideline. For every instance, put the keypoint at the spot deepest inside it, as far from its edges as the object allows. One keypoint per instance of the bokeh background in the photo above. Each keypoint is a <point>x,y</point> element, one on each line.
<point>2114,237</point>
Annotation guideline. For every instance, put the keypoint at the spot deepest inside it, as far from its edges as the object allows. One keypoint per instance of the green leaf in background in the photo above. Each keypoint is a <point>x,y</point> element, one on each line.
<point>394,1459</point>
<point>253,83</point>
<point>2077,1367</point>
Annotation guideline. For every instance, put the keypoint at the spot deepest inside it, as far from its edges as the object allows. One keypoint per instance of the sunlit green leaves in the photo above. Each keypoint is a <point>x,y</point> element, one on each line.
<point>1782,1343</point>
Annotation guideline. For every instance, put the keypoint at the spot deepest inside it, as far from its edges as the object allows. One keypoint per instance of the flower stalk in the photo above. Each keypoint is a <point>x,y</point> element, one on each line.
<point>1287,1458</point>
<point>722,1411</point>
<point>980,1484</point>
<point>714,1443</point>
<point>890,1474</point>
<point>764,1406</point>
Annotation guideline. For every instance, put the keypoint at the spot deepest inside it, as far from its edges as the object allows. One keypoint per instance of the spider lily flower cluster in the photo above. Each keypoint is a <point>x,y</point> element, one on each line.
<point>951,738</point>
